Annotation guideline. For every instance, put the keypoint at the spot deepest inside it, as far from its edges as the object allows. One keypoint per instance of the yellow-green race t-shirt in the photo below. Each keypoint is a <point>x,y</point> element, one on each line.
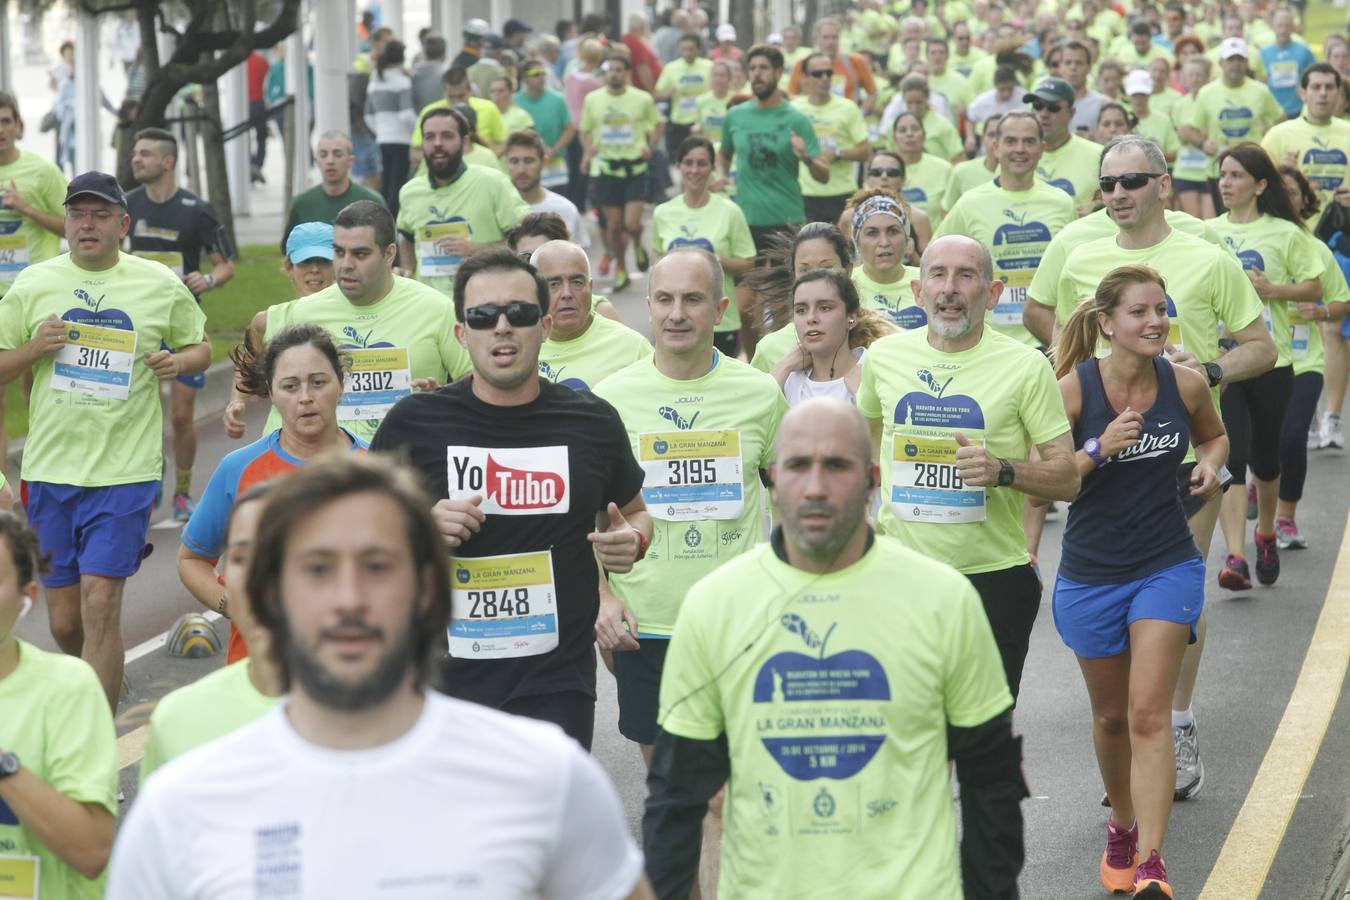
<point>94,416</point>
<point>1073,168</point>
<point>717,226</point>
<point>617,124</point>
<point>701,444</point>
<point>1017,227</point>
<point>926,185</point>
<point>1306,337</point>
<point>56,720</point>
<point>895,299</point>
<point>602,349</point>
<point>1000,394</point>
<point>687,82</point>
<point>1321,152</point>
<point>408,334</point>
<point>839,127</point>
<point>836,719</point>
<point>1230,115</point>
<point>22,240</point>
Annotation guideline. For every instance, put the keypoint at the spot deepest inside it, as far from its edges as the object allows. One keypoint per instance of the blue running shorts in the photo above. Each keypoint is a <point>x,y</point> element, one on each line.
<point>90,531</point>
<point>1094,619</point>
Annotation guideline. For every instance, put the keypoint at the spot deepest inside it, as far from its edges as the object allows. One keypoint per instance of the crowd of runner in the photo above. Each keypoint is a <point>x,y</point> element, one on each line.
<point>911,279</point>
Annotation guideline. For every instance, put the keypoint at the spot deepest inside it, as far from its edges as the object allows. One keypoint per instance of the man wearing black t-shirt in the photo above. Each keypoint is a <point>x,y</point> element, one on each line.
<point>176,227</point>
<point>534,477</point>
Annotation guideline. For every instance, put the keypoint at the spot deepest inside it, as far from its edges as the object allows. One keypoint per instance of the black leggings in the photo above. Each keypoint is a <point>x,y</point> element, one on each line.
<point>394,163</point>
<point>1294,437</point>
<point>1253,412</point>
<point>1011,598</point>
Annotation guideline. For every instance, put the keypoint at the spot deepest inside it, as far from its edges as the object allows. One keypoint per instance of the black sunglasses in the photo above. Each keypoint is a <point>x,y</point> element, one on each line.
<point>1052,107</point>
<point>821,73</point>
<point>889,173</point>
<point>1130,181</point>
<point>519,313</point>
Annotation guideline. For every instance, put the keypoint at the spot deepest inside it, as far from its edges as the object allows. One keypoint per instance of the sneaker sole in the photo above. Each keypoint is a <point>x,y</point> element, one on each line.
<point>1299,544</point>
<point>1154,891</point>
<point>1267,581</point>
<point>1232,581</point>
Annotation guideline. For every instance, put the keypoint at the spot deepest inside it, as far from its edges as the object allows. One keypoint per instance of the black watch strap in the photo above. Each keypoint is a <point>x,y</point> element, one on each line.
<point>1214,372</point>
<point>1005,473</point>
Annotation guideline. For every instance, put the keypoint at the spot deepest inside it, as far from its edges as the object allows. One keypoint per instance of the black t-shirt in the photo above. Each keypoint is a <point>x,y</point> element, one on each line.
<point>575,446</point>
<point>186,224</point>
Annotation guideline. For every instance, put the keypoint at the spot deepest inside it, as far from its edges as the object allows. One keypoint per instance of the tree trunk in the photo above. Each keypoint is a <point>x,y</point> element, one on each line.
<point>213,160</point>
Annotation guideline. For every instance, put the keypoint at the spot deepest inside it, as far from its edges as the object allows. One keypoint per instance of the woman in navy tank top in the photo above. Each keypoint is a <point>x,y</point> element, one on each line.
<point>1131,582</point>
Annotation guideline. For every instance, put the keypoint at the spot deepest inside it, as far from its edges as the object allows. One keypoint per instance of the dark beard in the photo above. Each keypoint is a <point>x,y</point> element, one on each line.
<point>451,167</point>
<point>343,696</point>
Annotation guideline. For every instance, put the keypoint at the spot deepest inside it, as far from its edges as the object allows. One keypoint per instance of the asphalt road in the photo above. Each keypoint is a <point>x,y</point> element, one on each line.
<point>1257,643</point>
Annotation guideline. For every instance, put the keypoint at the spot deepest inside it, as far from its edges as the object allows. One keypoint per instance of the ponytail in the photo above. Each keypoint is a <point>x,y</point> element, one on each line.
<point>1078,339</point>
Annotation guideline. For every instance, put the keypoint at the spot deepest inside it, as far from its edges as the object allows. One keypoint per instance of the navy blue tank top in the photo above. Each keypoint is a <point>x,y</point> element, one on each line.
<point>1127,521</point>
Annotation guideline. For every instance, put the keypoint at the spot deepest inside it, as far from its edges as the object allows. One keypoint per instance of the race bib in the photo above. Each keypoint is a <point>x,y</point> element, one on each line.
<point>618,134</point>
<point>1299,335</point>
<point>13,256</point>
<point>503,606</point>
<point>1014,297</point>
<point>1283,74</point>
<point>171,258</point>
<point>555,173</point>
<point>520,481</point>
<point>687,105</point>
<point>431,261</point>
<point>925,486</point>
<point>1191,157</point>
<point>95,361</point>
<point>20,876</point>
<point>377,378</point>
<point>692,475</point>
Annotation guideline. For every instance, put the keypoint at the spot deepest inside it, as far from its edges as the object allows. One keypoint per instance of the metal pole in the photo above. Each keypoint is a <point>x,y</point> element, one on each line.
<point>393,18</point>
<point>296,87</point>
<point>6,60</point>
<point>88,137</point>
<point>498,12</point>
<point>332,59</point>
<point>440,17</point>
<point>233,110</point>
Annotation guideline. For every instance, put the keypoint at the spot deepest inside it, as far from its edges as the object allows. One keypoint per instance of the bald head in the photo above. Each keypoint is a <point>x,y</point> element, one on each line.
<point>567,272</point>
<point>958,249</point>
<point>560,253</point>
<point>809,419</point>
<point>682,264</point>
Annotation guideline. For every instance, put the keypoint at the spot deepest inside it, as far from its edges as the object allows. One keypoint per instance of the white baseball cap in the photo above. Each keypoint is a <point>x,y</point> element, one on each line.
<point>775,39</point>
<point>1233,46</point>
<point>477,28</point>
<point>1138,82</point>
<point>726,32</point>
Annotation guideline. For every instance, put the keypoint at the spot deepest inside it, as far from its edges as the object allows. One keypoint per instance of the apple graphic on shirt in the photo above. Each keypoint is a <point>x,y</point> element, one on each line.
<point>936,409</point>
<point>93,313</point>
<point>837,728</point>
<point>1020,232</point>
<point>1235,121</point>
<point>1251,260</point>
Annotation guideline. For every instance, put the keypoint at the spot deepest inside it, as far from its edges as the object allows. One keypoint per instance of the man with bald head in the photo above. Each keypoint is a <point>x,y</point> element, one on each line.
<point>827,677</point>
<point>956,409</point>
<point>583,349</point>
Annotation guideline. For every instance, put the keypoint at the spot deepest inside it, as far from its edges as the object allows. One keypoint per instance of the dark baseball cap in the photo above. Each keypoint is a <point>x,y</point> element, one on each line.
<point>513,26</point>
<point>96,184</point>
<point>1052,90</point>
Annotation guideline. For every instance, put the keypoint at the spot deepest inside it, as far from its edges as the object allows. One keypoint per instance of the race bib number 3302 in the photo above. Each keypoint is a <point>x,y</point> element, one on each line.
<point>377,378</point>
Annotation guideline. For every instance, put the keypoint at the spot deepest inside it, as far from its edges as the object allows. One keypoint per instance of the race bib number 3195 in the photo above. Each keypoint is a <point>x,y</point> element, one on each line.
<point>519,481</point>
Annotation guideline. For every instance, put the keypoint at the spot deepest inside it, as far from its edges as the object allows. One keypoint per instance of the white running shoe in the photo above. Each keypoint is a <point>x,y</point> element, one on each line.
<point>1331,431</point>
<point>1190,770</point>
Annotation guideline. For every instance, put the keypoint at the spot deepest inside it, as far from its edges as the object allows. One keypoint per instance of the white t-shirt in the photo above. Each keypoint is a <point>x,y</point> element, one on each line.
<point>799,387</point>
<point>988,105</point>
<point>470,802</point>
<point>557,203</point>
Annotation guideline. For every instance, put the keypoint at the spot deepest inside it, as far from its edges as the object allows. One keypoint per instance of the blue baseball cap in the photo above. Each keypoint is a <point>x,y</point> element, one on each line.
<point>309,240</point>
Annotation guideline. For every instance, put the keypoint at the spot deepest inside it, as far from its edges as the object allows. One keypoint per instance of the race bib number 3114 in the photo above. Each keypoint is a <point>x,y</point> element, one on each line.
<point>95,361</point>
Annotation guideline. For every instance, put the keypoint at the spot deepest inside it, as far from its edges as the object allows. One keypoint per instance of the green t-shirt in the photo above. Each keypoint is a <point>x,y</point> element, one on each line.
<point>965,63</point>
<point>1306,337</point>
<point>1045,283</point>
<point>95,418</point>
<point>1016,227</point>
<point>517,119</point>
<point>718,226</point>
<point>202,711</point>
<point>1281,250</point>
<point>601,350</point>
<point>617,124</point>
<point>1158,127</point>
<point>767,189</point>
<point>1073,168</point>
<point>711,113</point>
<point>1123,50</point>
<point>852,777</point>
<point>686,82</point>
<point>966,176</point>
<point>895,299</point>
<point>24,241</point>
<point>1230,115</point>
<point>926,184</point>
<point>476,155</point>
<point>691,438</point>
<point>549,113</point>
<point>490,125</point>
<point>773,346</point>
<point>999,393</point>
<point>1322,151</point>
<point>1163,102</point>
<point>839,127</point>
<point>56,720</point>
<point>481,204</point>
<point>316,205</point>
<point>953,85</point>
<point>1192,164</point>
<point>411,319</point>
<point>941,138</point>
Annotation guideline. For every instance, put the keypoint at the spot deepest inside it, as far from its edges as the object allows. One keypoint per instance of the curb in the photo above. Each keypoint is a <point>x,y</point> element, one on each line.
<point>211,402</point>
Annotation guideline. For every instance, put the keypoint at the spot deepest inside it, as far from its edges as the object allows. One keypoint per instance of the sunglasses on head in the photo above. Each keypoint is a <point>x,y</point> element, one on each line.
<point>888,173</point>
<point>1130,181</point>
<point>1039,105</point>
<point>821,73</point>
<point>519,313</point>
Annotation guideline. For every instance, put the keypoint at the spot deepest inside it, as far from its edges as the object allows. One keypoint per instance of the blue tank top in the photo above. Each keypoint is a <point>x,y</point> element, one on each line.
<point>1127,521</point>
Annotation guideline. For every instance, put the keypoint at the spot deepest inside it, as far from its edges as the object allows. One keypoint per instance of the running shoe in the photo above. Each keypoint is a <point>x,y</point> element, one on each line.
<point>1251,501</point>
<point>1190,768</point>
<point>1287,535</point>
<point>1234,575</point>
<point>1150,879</point>
<point>621,281</point>
<point>1267,558</point>
<point>1315,437</point>
<point>1120,858</point>
<point>605,262</point>
<point>640,257</point>
<point>1331,431</point>
<point>182,507</point>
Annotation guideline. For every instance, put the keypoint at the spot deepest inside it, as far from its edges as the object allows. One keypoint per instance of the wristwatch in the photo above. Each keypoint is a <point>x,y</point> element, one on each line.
<point>1093,448</point>
<point>9,765</point>
<point>1214,372</point>
<point>1005,472</point>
